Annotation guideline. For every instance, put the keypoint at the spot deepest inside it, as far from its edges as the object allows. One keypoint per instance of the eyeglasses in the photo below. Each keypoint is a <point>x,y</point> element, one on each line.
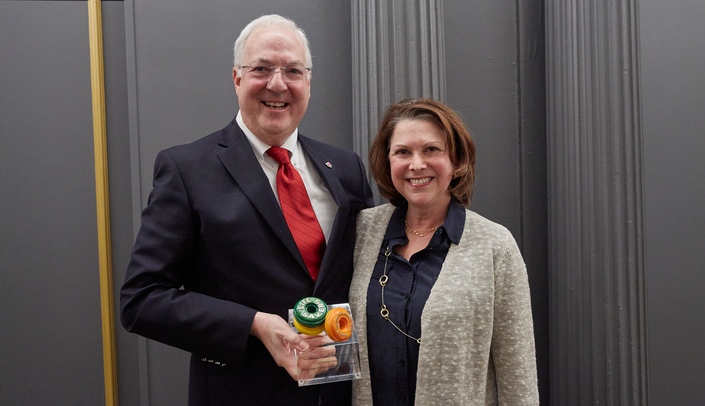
<point>293,72</point>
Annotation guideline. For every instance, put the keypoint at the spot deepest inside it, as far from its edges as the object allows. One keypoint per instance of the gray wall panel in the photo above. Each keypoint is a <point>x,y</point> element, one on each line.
<point>596,270</point>
<point>481,74</point>
<point>672,85</point>
<point>50,340</point>
<point>119,171</point>
<point>534,210</point>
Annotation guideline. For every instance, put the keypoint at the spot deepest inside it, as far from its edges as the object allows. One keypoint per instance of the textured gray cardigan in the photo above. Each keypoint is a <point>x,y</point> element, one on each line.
<point>477,340</point>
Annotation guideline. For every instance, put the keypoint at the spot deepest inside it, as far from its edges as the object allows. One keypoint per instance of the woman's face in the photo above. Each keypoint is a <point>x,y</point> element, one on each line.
<point>420,165</point>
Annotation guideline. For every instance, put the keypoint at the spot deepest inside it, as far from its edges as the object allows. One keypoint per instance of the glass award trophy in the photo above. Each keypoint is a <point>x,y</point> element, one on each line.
<point>339,358</point>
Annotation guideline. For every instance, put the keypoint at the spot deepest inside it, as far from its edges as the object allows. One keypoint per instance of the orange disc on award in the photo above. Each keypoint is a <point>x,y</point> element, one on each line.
<point>338,324</point>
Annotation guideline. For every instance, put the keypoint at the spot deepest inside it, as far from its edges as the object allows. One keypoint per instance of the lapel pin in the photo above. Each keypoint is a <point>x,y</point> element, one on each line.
<point>329,165</point>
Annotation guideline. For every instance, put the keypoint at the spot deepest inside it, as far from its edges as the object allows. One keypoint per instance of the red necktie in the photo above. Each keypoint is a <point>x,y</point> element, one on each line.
<point>298,211</point>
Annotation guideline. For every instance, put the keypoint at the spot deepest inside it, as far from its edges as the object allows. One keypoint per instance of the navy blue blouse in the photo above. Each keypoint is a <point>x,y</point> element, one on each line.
<point>393,356</point>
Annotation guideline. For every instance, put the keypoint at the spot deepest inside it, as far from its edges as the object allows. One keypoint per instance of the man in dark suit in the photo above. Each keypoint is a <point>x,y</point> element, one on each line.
<point>215,267</point>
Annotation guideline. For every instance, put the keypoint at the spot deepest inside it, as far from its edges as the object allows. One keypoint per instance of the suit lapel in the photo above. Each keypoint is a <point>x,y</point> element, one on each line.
<point>326,169</point>
<point>237,157</point>
<point>242,164</point>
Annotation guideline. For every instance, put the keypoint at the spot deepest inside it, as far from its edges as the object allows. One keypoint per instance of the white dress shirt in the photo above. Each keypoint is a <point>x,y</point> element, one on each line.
<point>323,204</point>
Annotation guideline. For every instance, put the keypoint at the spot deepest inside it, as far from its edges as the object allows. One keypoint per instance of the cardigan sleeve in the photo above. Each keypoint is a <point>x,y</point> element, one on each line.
<point>512,348</point>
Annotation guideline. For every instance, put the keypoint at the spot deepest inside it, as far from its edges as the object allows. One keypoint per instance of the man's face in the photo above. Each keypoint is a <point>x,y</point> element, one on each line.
<point>272,108</point>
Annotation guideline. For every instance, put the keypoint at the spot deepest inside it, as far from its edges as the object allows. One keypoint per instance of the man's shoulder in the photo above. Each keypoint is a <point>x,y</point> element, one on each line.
<point>220,138</point>
<point>314,145</point>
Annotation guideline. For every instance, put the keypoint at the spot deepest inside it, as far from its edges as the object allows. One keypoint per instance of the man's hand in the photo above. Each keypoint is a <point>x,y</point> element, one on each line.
<point>280,340</point>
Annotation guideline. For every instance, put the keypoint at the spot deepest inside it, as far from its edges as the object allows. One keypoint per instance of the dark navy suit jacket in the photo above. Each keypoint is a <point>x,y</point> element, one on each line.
<point>214,248</point>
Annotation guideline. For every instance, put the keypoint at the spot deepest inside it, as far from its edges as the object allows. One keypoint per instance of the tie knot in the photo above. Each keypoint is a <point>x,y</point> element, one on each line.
<point>281,155</point>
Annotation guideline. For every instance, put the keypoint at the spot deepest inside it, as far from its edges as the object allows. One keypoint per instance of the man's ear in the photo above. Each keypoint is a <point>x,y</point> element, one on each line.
<point>236,79</point>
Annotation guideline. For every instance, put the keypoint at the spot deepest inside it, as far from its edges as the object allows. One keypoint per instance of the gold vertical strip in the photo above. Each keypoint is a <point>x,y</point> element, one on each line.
<point>100,151</point>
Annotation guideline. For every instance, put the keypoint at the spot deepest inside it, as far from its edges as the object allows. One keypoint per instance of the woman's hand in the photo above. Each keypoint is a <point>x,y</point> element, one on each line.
<point>319,357</point>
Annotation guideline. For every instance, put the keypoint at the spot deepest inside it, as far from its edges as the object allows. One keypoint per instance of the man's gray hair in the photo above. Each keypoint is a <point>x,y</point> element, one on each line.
<point>271,20</point>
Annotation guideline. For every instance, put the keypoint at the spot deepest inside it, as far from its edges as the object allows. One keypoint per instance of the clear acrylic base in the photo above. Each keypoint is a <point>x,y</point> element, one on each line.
<point>342,365</point>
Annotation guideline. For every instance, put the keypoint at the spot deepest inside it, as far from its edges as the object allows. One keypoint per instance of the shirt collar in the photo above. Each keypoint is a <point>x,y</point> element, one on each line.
<point>455,221</point>
<point>453,224</point>
<point>260,148</point>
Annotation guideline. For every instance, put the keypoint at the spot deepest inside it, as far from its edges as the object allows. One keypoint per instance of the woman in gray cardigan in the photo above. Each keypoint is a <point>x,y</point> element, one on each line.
<point>440,294</point>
